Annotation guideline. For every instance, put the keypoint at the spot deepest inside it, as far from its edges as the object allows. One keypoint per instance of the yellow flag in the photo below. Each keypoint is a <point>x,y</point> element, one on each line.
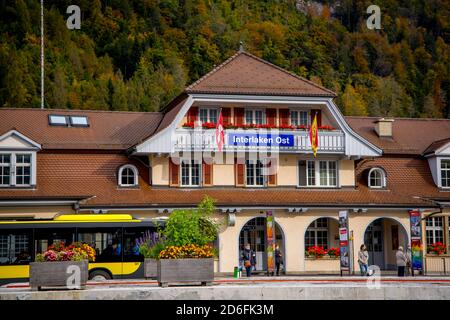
<point>314,135</point>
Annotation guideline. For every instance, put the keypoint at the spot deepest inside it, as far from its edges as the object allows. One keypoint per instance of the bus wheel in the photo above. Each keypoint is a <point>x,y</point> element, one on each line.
<point>99,275</point>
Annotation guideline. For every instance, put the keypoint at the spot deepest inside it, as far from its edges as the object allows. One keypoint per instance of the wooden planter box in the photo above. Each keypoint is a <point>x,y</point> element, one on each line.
<point>56,274</point>
<point>150,268</point>
<point>185,270</point>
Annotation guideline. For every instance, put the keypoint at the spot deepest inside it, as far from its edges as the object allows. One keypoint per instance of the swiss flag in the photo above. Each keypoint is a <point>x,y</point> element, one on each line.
<point>220,138</point>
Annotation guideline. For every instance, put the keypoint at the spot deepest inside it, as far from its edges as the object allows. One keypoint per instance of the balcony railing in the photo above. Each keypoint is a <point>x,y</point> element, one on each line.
<point>295,140</point>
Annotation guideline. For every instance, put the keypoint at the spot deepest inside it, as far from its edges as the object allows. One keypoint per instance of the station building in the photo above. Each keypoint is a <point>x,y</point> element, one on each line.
<point>55,162</point>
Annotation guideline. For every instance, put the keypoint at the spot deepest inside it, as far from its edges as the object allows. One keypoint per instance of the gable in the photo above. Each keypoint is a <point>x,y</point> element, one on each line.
<point>245,73</point>
<point>14,140</point>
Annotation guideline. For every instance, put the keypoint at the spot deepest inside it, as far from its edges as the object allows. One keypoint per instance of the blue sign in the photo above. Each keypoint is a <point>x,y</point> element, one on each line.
<point>260,140</point>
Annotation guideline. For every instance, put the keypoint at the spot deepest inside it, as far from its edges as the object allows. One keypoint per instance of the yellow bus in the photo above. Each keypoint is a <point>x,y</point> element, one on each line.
<point>113,236</point>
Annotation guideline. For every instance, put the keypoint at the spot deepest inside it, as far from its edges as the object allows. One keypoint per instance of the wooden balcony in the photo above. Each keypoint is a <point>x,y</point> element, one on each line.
<point>296,141</point>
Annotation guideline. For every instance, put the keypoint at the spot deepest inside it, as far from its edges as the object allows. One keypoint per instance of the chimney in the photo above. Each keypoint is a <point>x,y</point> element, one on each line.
<point>383,127</point>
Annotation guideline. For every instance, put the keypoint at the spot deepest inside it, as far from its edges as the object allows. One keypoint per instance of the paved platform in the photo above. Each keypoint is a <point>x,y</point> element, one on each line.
<point>256,288</point>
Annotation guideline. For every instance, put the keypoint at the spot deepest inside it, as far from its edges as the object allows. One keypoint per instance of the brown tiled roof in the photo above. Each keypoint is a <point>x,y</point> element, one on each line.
<point>95,176</point>
<point>245,73</point>
<point>410,136</point>
<point>107,129</point>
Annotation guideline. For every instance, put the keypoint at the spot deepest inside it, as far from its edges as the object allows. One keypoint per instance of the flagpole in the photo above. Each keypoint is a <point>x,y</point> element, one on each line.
<point>42,54</point>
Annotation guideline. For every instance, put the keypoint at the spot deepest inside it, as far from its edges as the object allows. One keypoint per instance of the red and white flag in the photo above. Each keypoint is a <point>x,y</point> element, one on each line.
<point>220,136</point>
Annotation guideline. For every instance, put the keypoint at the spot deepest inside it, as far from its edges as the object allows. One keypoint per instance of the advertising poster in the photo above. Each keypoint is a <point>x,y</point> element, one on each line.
<point>416,240</point>
<point>343,241</point>
<point>270,242</point>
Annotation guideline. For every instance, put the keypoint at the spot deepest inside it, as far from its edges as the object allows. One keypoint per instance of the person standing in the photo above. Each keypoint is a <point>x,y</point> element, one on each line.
<point>401,261</point>
<point>408,254</point>
<point>363,260</point>
<point>278,258</point>
<point>249,258</point>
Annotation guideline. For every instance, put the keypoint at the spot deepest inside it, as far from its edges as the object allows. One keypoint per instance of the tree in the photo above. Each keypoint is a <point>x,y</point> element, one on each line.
<point>352,102</point>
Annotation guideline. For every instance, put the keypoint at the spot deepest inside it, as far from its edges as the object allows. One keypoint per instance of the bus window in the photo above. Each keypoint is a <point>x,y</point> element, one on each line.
<point>46,237</point>
<point>15,247</point>
<point>107,242</point>
<point>131,239</point>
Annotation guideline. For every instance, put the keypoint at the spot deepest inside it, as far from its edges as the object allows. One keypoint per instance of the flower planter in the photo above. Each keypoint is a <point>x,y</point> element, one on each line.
<point>150,268</point>
<point>58,274</point>
<point>185,270</point>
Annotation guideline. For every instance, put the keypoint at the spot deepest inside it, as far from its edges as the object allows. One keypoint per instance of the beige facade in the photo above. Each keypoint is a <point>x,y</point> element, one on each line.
<point>224,173</point>
<point>160,170</point>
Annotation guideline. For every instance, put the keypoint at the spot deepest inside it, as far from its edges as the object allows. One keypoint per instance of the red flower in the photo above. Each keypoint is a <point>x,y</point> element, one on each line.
<point>437,247</point>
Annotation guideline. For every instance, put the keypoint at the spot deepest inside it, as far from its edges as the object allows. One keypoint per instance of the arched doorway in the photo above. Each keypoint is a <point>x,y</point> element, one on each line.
<point>254,233</point>
<point>382,238</point>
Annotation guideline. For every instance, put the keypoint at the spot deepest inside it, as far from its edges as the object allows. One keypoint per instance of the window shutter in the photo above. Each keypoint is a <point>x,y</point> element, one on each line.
<point>319,116</point>
<point>226,115</point>
<point>174,173</point>
<point>271,115</point>
<point>272,178</point>
<point>192,114</point>
<point>207,174</point>
<point>239,171</point>
<point>238,116</point>
<point>284,116</point>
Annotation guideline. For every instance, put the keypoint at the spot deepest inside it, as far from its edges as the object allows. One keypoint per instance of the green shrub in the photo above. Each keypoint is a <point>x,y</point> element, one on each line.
<point>191,226</point>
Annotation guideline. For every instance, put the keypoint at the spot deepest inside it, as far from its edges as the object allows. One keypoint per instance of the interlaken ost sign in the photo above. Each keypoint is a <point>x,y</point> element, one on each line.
<point>260,140</point>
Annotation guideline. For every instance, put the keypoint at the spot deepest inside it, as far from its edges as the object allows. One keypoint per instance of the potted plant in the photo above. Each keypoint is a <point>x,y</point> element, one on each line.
<point>188,255</point>
<point>150,245</point>
<point>61,266</point>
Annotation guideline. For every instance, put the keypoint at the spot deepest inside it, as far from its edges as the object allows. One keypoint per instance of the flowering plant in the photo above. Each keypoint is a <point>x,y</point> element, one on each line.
<point>187,251</point>
<point>208,125</point>
<point>59,252</point>
<point>437,247</point>
<point>212,125</point>
<point>316,251</point>
<point>333,252</point>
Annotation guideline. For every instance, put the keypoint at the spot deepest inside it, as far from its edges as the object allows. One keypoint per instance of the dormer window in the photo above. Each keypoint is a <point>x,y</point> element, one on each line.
<point>128,176</point>
<point>445,173</point>
<point>377,178</point>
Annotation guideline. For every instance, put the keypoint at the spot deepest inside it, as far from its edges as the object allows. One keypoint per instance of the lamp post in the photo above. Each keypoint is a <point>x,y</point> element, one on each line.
<point>42,54</point>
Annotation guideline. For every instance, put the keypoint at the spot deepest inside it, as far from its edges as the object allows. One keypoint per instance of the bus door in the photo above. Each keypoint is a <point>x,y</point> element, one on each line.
<point>15,253</point>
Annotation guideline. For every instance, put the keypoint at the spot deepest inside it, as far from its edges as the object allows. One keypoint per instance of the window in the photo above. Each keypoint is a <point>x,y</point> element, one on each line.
<point>16,169</point>
<point>68,121</point>
<point>311,173</point>
<point>445,173</point>
<point>299,118</point>
<point>190,173</point>
<point>128,176</point>
<point>317,234</point>
<point>57,120</point>
<point>79,121</point>
<point>107,242</point>
<point>23,169</point>
<point>377,178</point>
<point>319,173</point>
<point>208,115</point>
<point>15,247</point>
<point>5,169</point>
<point>254,173</point>
<point>254,116</point>
<point>434,227</point>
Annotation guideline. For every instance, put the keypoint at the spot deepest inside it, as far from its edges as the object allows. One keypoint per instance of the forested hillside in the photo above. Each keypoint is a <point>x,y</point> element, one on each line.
<point>139,54</point>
